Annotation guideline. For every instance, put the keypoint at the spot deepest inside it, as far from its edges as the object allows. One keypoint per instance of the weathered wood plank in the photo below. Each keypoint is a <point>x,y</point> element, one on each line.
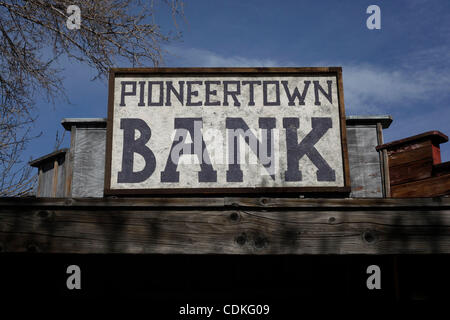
<point>228,202</point>
<point>47,173</point>
<point>387,178</point>
<point>61,179</point>
<point>320,229</point>
<point>340,204</point>
<point>55,177</point>
<point>436,138</point>
<point>416,152</point>
<point>113,202</point>
<point>411,171</point>
<point>434,186</point>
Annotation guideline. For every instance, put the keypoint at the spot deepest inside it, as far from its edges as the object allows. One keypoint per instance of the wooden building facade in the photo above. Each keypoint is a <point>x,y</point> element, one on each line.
<point>397,216</point>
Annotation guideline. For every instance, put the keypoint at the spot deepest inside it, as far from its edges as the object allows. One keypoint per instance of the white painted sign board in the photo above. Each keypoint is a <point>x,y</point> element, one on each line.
<point>226,130</point>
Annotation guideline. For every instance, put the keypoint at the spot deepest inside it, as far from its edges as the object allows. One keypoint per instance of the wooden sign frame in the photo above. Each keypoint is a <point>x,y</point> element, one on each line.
<point>172,72</point>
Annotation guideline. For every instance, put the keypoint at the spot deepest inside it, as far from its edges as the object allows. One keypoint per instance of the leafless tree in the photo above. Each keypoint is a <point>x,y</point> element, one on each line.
<point>34,34</point>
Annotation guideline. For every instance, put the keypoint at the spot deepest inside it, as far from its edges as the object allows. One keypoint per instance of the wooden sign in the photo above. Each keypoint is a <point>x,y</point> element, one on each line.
<point>220,130</point>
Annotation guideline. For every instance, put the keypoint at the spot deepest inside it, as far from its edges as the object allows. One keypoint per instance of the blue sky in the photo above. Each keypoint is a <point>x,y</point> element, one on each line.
<point>402,70</point>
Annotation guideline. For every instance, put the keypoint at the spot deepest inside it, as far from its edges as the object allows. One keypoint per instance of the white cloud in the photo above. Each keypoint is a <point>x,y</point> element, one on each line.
<point>192,57</point>
<point>420,76</point>
<point>372,89</point>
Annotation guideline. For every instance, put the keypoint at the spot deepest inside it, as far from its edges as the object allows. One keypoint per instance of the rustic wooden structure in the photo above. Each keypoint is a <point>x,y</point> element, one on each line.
<point>269,239</point>
<point>86,158</point>
<point>208,247</point>
<point>415,166</point>
<point>52,174</point>
<point>71,214</point>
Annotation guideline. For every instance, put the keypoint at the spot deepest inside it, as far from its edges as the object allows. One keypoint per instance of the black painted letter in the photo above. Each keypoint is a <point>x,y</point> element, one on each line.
<point>179,147</point>
<point>251,90</point>
<point>296,94</point>
<point>209,93</point>
<point>295,150</point>
<point>124,93</point>
<point>318,87</point>
<point>170,88</point>
<point>191,93</point>
<point>132,146</point>
<point>266,93</point>
<point>158,103</point>
<point>264,149</point>
<point>233,94</point>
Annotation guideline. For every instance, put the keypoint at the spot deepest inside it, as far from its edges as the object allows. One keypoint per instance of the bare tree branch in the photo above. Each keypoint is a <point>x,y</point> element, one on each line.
<point>33,35</point>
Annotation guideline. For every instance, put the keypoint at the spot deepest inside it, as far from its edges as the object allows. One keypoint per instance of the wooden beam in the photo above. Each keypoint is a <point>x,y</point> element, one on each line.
<point>226,226</point>
<point>69,162</point>
<point>262,203</point>
<point>381,157</point>
<point>387,178</point>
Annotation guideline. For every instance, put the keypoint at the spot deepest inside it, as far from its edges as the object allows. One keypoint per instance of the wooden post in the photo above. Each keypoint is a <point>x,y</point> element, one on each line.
<point>39,187</point>
<point>383,163</point>
<point>387,180</point>
<point>69,162</point>
<point>55,177</point>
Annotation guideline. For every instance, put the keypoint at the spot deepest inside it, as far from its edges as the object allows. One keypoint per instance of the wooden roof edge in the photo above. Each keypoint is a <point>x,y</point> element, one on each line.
<point>67,123</point>
<point>224,70</point>
<point>385,120</point>
<point>47,157</point>
<point>434,135</point>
